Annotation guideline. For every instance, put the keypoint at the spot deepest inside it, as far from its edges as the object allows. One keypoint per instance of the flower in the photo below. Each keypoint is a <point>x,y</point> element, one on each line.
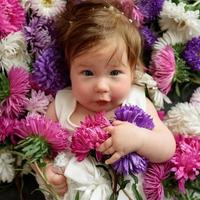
<point>39,33</point>
<point>89,136</point>
<point>195,99</point>
<point>130,164</point>
<point>163,67</point>
<point>191,53</point>
<point>14,104</point>
<point>48,9</point>
<point>37,126</point>
<point>153,180</point>
<point>49,71</point>
<point>38,103</point>
<point>12,17</point>
<point>7,171</point>
<point>186,161</point>
<point>13,52</point>
<point>175,18</point>
<point>6,128</point>
<point>183,118</point>
<point>150,9</point>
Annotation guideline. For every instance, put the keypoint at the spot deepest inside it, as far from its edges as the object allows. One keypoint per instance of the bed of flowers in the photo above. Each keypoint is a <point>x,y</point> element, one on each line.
<point>32,69</point>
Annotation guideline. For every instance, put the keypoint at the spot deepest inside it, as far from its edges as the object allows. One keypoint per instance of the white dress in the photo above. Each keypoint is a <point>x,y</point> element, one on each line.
<point>84,177</point>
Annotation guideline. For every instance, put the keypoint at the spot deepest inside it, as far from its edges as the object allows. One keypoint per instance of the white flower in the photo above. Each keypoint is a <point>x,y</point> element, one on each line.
<point>48,8</point>
<point>195,99</point>
<point>38,103</point>
<point>26,4</point>
<point>175,18</point>
<point>13,52</point>
<point>6,167</point>
<point>183,118</point>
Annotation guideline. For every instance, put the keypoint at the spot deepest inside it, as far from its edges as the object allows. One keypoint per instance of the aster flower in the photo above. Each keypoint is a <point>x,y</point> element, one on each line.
<point>186,161</point>
<point>13,52</point>
<point>38,103</point>
<point>175,18</point>
<point>7,171</point>
<point>150,8</point>
<point>48,9</point>
<point>12,17</point>
<point>38,136</point>
<point>39,33</point>
<point>6,128</point>
<point>153,180</point>
<point>49,71</point>
<point>89,136</point>
<point>191,53</point>
<point>14,103</point>
<point>183,118</point>
<point>163,67</point>
<point>195,99</point>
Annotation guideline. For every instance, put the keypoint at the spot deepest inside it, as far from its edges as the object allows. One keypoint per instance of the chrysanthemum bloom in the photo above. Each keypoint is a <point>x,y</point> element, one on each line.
<point>51,138</point>
<point>13,52</point>
<point>132,163</point>
<point>6,128</point>
<point>195,99</point>
<point>7,171</point>
<point>39,33</point>
<point>183,118</point>
<point>49,71</point>
<point>175,18</point>
<point>191,53</point>
<point>153,180</point>
<point>48,9</point>
<point>14,104</point>
<point>163,68</point>
<point>89,136</point>
<point>12,17</point>
<point>38,103</point>
<point>186,161</point>
<point>150,8</point>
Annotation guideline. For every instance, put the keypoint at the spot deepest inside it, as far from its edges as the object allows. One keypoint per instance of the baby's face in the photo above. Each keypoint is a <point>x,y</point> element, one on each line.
<point>101,77</point>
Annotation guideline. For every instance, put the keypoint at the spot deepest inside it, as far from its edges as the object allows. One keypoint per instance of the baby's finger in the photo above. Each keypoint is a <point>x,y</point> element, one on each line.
<point>106,145</point>
<point>116,156</point>
<point>117,122</point>
<point>108,129</point>
<point>111,150</point>
<point>61,191</point>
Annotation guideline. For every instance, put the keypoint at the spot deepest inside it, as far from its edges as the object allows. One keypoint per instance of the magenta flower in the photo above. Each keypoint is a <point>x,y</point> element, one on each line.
<point>12,17</point>
<point>153,180</point>
<point>49,132</point>
<point>89,136</point>
<point>6,128</point>
<point>186,161</point>
<point>163,68</point>
<point>13,105</point>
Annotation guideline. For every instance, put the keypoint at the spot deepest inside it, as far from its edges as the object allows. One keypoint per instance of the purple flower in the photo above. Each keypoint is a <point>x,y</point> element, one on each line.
<point>49,72</point>
<point>39,33</point>
<point>132,163</point>
<point>149,37</point>
<point>150,8</point>
<point>191,54</point>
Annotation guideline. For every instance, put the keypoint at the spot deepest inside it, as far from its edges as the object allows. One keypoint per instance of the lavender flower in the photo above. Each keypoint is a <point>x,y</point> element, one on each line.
<point>150,8</point>
<point>192,52</point>
<point>132,163</point>
<point>49,71</point>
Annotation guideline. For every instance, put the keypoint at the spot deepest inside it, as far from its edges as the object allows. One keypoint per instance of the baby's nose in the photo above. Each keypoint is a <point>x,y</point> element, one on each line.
<point>101,86</point>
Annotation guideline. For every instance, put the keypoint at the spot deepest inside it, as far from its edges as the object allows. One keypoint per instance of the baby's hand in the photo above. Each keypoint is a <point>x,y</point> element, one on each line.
<point>125,138</point>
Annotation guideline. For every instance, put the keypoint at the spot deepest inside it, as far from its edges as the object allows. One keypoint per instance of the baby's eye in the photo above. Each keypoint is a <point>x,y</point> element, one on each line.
<point>115,72</point>
<point>87,73</point>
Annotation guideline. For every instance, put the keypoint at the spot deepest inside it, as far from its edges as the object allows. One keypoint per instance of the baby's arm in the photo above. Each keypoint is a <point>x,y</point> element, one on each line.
<point>157,145</point>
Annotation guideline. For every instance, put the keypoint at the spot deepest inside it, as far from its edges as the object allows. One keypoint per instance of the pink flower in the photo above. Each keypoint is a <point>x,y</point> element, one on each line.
<point>163,68</point>
<point>186,161</point>
<point>46,129</point>
<point>12,17</point>
<point>13,105</point>
<point>89,136</point>
<point>153,178</point>
<point>6,128</point>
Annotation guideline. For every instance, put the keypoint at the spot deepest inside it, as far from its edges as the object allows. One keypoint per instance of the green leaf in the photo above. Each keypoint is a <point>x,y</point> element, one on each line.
<point>77,196</point>
<point>135,192</point>
<point>4,87</point>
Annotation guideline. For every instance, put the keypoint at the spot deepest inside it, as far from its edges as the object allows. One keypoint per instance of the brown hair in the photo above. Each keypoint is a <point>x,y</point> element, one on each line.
<point>86,24</point>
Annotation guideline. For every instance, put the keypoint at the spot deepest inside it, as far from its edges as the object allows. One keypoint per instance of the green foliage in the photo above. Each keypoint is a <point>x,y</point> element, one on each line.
<point>4,87</point>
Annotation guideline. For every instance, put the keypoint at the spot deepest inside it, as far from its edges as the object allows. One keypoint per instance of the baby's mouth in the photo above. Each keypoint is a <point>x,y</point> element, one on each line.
<point>102,102</point>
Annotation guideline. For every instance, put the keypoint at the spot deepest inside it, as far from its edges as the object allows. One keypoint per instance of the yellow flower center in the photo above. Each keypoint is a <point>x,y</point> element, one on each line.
<point>47,3</point>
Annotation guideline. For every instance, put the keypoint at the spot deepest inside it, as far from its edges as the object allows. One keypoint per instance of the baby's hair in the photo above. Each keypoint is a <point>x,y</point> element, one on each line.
<point>87,23</point>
